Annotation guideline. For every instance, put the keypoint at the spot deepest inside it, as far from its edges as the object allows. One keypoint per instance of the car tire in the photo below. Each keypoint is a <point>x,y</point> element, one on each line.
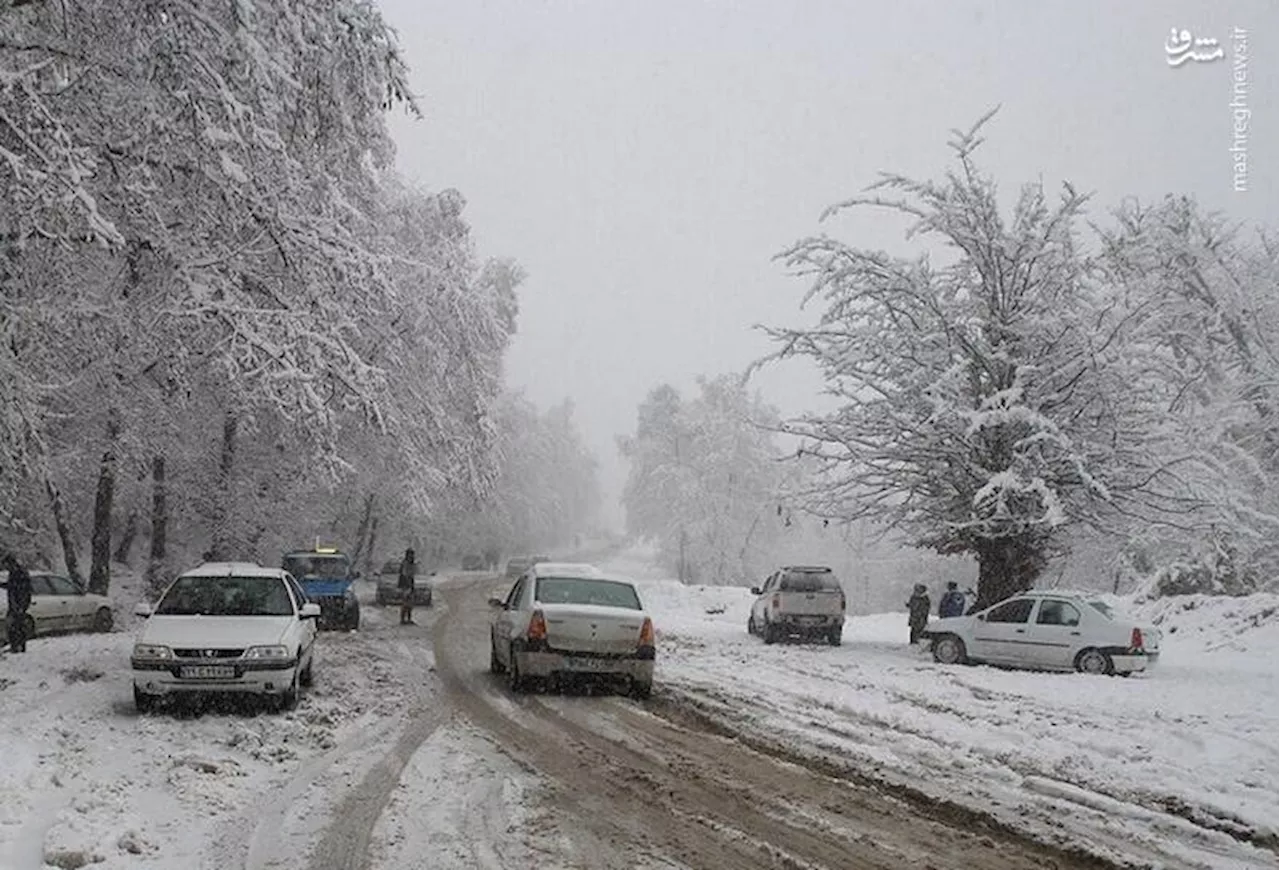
<point>835,637</point>
<point>495,664</point>
<point>751,624</point>
<point>307,678</point>
<point>289,697</point>
<point>949,650</point>
<point>516,681</point>
<point>771,633</point>
<point>1094,661</point>
<point>144,703</point>
<point>641,690</point>
<point>353,624</point>
<point>103,620</point>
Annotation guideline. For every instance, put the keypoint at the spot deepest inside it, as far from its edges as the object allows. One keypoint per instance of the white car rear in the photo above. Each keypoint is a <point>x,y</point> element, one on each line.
<point>226,628</point>
<point>799,600</point>
<point>1048,630</point>
<point>567,620</point>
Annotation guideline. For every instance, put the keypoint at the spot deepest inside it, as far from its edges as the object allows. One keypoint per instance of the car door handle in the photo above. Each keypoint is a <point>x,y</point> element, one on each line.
<point>1020,631</point>
<point>1075,634</point>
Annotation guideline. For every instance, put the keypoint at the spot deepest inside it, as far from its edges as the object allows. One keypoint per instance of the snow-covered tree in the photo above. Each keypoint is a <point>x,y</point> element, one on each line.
<point>704,480</point>
<point>973,416</point>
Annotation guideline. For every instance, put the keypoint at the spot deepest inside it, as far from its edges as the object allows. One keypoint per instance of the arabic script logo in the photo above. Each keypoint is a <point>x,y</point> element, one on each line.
<point>1181,48</point>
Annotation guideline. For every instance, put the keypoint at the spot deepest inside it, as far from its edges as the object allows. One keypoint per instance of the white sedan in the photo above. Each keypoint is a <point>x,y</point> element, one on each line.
<point>226,628</point>
<point>60,604</point>
<point>1047,630</point>
<point>565,620</point>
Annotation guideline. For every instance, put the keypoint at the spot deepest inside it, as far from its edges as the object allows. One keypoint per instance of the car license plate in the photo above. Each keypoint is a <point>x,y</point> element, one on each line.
<point>589,664</point>
<point>812,620</point>
<point>207,672</point>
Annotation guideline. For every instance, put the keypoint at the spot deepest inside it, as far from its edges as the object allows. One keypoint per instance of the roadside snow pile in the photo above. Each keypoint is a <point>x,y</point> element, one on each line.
<point>1173,767</point>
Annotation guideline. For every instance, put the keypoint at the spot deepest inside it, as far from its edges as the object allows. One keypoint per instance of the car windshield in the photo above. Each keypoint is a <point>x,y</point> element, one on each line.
<point>582,590</point>
<point>809,581</point>
<point>310,565</point>
<point>1103,608</point>
<point>226,596</point>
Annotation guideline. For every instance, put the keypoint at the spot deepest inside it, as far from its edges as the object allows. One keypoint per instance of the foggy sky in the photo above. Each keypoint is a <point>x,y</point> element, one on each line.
<point>644,161</point>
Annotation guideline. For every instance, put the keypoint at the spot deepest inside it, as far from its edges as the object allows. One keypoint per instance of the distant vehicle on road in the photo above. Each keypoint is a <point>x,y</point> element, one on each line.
<point>58,604</point>
<point>563,620</point>
<point>473,562</point>
<point>387,590</point>
<point>516,567</point>
<point>1047,630</point>
<point>327,576</point>
<point>799,600</point>
<point>226,627</point>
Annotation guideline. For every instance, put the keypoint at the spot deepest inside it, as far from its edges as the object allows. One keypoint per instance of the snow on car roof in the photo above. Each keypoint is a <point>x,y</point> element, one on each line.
<point>240,569</point>
<point>1062,593</point>
<point>565,569</point>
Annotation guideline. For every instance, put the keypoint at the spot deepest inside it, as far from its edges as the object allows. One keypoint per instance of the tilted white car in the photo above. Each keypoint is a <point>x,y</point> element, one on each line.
<point>59,604</point>
<point>1047,630</point>
<point>226,627</point>
<point>566,620</point>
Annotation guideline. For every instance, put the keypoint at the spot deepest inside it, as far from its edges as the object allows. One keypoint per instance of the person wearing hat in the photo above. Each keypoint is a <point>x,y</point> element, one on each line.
<point>405,584</point>
<point>19,592</point>
<point>917,612</point>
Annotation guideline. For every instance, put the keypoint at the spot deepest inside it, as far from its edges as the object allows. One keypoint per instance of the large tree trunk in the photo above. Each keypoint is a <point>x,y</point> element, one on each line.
<point>362,530</point>
<point>224,544</point>
<point>373,542</point>
<point>1006,566</point>
<point>69,556</point>
<point>100,542</point>
<point>155,577</point>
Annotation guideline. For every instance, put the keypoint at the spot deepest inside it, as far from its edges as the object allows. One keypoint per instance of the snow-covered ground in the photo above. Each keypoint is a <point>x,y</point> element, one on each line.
<point>1177,766</point>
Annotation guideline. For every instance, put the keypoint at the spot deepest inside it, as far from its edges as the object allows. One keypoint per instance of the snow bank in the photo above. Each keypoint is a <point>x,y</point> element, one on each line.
<point>1175,766</point>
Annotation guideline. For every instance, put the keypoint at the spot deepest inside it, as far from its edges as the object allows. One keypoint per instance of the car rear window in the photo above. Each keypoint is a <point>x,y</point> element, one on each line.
<point>810,581</point>
<point>583,590</point>
<point>1103,608</point>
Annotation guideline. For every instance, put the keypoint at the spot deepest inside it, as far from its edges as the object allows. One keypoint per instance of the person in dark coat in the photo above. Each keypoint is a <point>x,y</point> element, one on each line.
<point>19,589</point>
<point>952,603</point>
<point>918,612</point>
<point>405,584</point>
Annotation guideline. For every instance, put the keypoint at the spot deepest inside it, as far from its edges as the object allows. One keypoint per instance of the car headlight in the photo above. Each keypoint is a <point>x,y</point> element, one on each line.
<point>151,651</point>
<point>274,651</point>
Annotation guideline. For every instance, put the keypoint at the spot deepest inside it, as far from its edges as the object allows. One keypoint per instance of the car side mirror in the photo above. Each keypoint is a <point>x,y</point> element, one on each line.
<point>310,610</point>
<point>982,617</point>
<point>355,575</point>
<point>755,590</point>
<point>497,602</point>
<point>143,609</point>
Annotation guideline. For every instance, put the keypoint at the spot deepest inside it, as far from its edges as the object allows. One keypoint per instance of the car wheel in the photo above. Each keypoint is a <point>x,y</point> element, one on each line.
<point>142,702</point>
<point>289,697</point>
<point>949,650</point>
<point>103,619</point>
<point>641,689</point>
<point>308,678</point>
<point>835,637</point>
<point>516,681</point>
<point>771,633</point>
<point>1094,661</point>
<point>354,623</point>
<point>495,664</point>
<point>751,624</point>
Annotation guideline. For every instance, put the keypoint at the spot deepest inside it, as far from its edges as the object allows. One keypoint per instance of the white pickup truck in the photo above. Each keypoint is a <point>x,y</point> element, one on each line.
<point>799,600</point>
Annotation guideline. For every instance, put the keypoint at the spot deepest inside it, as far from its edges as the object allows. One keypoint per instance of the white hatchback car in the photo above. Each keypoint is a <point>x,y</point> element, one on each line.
<point>1047,630</point>
<point>226,627</point>
<point>571,620</point>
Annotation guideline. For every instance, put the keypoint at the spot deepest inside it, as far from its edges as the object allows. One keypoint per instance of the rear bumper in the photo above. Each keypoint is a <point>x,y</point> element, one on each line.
<point>547,664</point>
<point>807,624</point>
<point>1127,663</point>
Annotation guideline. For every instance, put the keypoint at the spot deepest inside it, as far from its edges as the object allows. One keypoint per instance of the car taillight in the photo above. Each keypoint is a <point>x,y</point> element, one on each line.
<point>777,601</point>
<point>537,626</point>
<point>1136,641</point>
<point>646,632</point>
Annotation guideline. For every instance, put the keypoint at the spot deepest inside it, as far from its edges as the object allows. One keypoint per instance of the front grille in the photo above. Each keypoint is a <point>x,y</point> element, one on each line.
<point>208,653</point>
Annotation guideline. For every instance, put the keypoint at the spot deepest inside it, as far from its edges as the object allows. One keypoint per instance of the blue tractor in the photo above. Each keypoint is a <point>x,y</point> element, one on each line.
<point>327,577</point>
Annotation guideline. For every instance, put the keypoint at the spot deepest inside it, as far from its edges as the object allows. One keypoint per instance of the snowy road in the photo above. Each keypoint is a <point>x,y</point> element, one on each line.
<point>409,754</point>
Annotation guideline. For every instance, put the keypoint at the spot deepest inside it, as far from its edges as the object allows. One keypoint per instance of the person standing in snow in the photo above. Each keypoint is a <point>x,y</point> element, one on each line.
<point>405,584</point>
<point>918,612</point>
<point>19,589</point>
<point>952,602</point>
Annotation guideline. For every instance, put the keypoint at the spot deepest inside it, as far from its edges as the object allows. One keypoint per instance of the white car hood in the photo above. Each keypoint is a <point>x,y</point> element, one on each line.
<point>189,632</point>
